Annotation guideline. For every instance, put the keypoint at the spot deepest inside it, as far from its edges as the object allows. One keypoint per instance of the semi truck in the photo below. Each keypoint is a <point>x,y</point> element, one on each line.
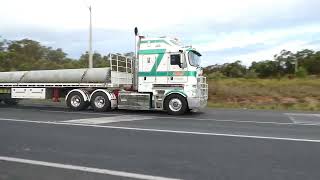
<point>163,75</point>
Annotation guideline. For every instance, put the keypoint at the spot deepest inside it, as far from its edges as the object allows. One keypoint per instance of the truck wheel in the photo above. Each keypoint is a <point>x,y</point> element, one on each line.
<point>11,102</point>
<point>100,102</point>
<point>75,101</point>
<point>176,104</point>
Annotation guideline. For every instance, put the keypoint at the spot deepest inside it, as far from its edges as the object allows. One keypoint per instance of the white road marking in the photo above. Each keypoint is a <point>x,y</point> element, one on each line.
<point>302,118</point>
<point>76,112</point>
<point>200,119</point>
<point>308,114</point>
<point>182,118</point>
<point>168,131</point>
<point>293,123</point>
<point>291,119</point>
<point>111,119</point>
<point>84,169</point>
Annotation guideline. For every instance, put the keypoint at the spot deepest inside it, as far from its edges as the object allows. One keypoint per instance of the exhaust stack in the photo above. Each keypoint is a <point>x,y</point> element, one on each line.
<point>136,60</point>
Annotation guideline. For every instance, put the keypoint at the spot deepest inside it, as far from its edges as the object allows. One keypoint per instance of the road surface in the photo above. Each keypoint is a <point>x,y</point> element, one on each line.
<point>44,142</point>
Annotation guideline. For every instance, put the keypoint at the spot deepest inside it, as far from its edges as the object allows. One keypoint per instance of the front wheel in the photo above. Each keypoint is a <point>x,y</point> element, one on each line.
<point>176,104</point>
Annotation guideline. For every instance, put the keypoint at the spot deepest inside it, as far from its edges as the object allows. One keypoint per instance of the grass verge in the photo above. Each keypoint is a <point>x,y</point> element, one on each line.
<point>274,94</point>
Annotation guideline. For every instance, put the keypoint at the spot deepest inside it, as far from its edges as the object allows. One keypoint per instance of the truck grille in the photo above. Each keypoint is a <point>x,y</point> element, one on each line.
<point>202,87</point>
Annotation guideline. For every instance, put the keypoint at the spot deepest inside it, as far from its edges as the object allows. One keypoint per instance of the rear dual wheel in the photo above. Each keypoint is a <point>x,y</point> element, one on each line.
<point>76,102</point>
<point>100,102</point>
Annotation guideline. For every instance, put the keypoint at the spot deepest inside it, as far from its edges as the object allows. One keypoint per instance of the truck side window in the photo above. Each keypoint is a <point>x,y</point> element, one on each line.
<point>175,59</point>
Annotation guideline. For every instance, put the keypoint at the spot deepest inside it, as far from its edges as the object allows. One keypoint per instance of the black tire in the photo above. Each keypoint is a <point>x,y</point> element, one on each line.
<point>11,102</point>
<point>176,104</point>
<point>75,101</point>
<point>100,102</point>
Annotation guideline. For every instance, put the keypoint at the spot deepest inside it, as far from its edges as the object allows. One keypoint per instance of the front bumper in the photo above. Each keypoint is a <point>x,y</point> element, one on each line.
<point>197,103</point>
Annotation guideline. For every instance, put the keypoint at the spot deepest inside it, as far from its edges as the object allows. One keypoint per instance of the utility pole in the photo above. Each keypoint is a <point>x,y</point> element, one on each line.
<point>90,41</point>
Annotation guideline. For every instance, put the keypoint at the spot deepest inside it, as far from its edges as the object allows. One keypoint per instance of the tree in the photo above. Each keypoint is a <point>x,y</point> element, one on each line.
<point>55,55</point>
<point>286,62</point>
<point>3,54</point>
<point>265,68</point>
<point>2,44</point>
<point>99,61</point>
<point>29,48</point>
<point>24,55</point>
<point>302,72</point>
<point>235,69</point>
<point>309,60</point>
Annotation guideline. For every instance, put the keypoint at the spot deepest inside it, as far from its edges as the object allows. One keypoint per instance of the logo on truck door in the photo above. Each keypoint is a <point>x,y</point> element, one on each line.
<point>178,73</point>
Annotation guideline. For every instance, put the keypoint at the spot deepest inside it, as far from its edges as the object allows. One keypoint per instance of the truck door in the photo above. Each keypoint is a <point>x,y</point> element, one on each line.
<point>177,74</point>
<point>148,62</point>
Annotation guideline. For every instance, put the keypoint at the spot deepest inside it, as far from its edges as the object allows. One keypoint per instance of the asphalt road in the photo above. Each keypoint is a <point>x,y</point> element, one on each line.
<point>45,142</point>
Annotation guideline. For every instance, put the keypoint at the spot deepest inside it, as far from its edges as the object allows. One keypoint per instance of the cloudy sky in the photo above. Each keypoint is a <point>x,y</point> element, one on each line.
<point>223,30</point>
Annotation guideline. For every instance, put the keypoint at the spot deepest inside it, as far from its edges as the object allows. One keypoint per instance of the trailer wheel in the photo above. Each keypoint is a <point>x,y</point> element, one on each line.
<point>75,101</point>
<point>176,104</point>
<point>11,102</point>
<point>100,102</point>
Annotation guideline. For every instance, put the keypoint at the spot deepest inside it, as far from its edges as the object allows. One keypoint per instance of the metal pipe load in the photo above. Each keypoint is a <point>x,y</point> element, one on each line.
<point>91,75</point>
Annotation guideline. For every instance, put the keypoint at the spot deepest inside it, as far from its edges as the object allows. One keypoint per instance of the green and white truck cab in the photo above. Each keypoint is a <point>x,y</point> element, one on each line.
<point>167,69</point>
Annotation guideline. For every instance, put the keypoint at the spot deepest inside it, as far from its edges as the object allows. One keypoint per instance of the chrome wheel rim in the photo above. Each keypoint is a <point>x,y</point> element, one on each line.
<point>75,101</point>
<point>175,104</point>
<point>99,102</point>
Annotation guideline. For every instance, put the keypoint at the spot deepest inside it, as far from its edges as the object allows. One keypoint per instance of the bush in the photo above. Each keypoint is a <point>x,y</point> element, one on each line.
<point>251,75</point>
<point>302,73</point>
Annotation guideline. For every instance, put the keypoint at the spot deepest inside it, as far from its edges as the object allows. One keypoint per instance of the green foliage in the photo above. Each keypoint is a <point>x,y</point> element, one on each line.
<point>310,60</point>
<point>235,69</point>
<point>283,65</point>
<point>302,73</point>
<point>285,60</point>
<point>251,74</point>
<point>2,43</point>
<point>265,68</point>
<point>98,60</point>
<point>27,54</point>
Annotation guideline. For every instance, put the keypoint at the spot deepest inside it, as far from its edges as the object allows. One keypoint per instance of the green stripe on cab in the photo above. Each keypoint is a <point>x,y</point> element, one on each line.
<point>167,73</point>
<point>152,51</point>
<point>154,41</point>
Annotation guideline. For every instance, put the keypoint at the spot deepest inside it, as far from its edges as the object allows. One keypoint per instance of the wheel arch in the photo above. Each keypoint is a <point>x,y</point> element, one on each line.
<point>83,92</point>
<point>105,91</point>
<point>168,94</point>
<point>175,92</point>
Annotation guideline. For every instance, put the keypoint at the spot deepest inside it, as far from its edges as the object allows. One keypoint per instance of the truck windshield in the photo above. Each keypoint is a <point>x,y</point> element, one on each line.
<point>194,59</point>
